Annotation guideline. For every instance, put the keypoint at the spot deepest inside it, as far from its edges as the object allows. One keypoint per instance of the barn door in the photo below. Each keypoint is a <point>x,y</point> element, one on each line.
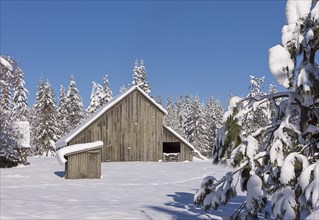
<point>94,164</point>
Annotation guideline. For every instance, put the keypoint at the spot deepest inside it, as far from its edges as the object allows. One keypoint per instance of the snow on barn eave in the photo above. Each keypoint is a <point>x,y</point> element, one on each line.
<point>184,141</point>
<point>77,148</point>
<point>93,117</point>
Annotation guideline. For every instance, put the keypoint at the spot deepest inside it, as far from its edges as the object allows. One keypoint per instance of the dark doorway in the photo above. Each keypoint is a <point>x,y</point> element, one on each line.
<point>171,147</point>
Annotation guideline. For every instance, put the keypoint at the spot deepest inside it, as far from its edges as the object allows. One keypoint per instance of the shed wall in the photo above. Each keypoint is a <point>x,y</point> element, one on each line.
<point>84,165</point>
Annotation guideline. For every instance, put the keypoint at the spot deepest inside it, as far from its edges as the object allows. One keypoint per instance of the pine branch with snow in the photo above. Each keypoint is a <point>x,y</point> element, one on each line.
<point>278,159</point>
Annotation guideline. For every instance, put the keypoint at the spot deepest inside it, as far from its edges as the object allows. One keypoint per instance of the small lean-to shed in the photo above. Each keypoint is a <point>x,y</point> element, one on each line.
<point>82,161</point>
<point>175,147</point>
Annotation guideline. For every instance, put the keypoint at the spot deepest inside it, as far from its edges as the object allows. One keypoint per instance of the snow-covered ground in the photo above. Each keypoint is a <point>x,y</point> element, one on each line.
<point>127,190</point>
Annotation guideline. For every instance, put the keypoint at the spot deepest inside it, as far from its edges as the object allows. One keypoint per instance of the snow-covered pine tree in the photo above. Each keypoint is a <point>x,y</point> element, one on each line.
<point>7,69</point>
<point>136,74</point>
<point>170,119</point>
<point>35,119</point>
<point>123,88</point>
<point>218,113</point>
<point>140,77</point>
<point>20,108</point>
<point>107,92</point>
<point>95,98</point>
<point>213,112</point>
<point>159,100</point>
<point>47,128</point>
<point>145,85</point>
<point>280,160</point>
<point>195,127</point>
<point>74,105</point>
<point>100,95</point>
<point>62,113</point>
<point>183,109</point>
<point>9,146</point>
<point>260,117</point>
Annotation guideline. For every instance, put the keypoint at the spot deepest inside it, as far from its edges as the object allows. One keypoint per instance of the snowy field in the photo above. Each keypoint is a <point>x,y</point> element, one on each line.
<point>127,190</point>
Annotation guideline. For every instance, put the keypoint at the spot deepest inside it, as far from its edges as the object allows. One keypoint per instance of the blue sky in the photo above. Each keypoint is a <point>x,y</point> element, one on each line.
<point>189,47</point>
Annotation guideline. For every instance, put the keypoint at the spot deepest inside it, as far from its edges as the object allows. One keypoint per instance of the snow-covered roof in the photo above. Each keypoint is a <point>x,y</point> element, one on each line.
<point>184,141</point>
<point>93,117</point>
<point>60,155</point>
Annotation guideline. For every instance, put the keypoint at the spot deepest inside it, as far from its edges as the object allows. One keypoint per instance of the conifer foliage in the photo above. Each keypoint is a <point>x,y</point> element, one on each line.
<point>74,105</point>
<point>100,95</point>
<point>195,121</point>
<point>280,159</point>
<point>13,109</point>
<point>44,121</point>
<point>140,77</point>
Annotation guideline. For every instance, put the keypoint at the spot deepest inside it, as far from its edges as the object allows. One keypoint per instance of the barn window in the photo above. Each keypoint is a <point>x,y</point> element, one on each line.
<point>171,147</point>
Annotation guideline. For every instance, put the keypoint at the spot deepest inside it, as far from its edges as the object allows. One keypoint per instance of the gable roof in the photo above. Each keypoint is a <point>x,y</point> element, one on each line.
<point>93,117</point>
<point>184,141</point>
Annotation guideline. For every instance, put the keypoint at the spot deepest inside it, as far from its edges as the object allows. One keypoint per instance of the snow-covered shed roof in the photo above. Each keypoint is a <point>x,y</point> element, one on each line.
<point>184,141</point>
<point>60,155</point>
<point>93,117</point>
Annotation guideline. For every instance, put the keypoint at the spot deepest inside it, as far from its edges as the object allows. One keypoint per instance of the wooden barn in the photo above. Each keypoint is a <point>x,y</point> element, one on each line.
<point>131,128</point>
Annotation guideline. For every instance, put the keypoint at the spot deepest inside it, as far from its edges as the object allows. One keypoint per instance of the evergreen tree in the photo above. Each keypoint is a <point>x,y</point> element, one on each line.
<point>195,127</point>
<point>9,146</point>
<point>159,100</point>
<point>95,98</point>
<point>100,95</point>
<point>123,88</point>
<point>20,108</point>
<point>74,105</point>
<point>170,119</point>
<point>182,109</point>
<point>9,135</point>
<point>62,113</point>
<point>140,77</point>
<point>279,160</point>
<point>46,130</point>
<point>7,69</point>
<point>35,119</point>
<point>107,92</point>
<point>211,127</point>
<point>218,113</point>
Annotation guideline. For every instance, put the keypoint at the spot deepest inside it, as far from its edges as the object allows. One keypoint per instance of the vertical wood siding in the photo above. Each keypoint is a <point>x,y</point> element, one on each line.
<point>131,131</point>
<point>84,165</point>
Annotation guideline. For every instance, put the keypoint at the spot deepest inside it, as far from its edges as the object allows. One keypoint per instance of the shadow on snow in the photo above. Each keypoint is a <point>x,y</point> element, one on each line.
<point>187,210</point>
<point>59,173</point>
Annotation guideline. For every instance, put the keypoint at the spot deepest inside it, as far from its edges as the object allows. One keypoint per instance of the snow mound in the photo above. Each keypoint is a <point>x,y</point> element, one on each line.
<point>60,155</point>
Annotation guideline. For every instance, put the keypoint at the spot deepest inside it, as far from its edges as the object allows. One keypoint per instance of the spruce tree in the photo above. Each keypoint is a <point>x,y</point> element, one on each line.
<point>9,135</point>
<point>45,115</point>
<point>74,105</point>
<point>62,113</point>
<point>107,92</point>
<point>7,69</point>
<point>20,108</point>
<point>95,98</point>
<point>140,76</point>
